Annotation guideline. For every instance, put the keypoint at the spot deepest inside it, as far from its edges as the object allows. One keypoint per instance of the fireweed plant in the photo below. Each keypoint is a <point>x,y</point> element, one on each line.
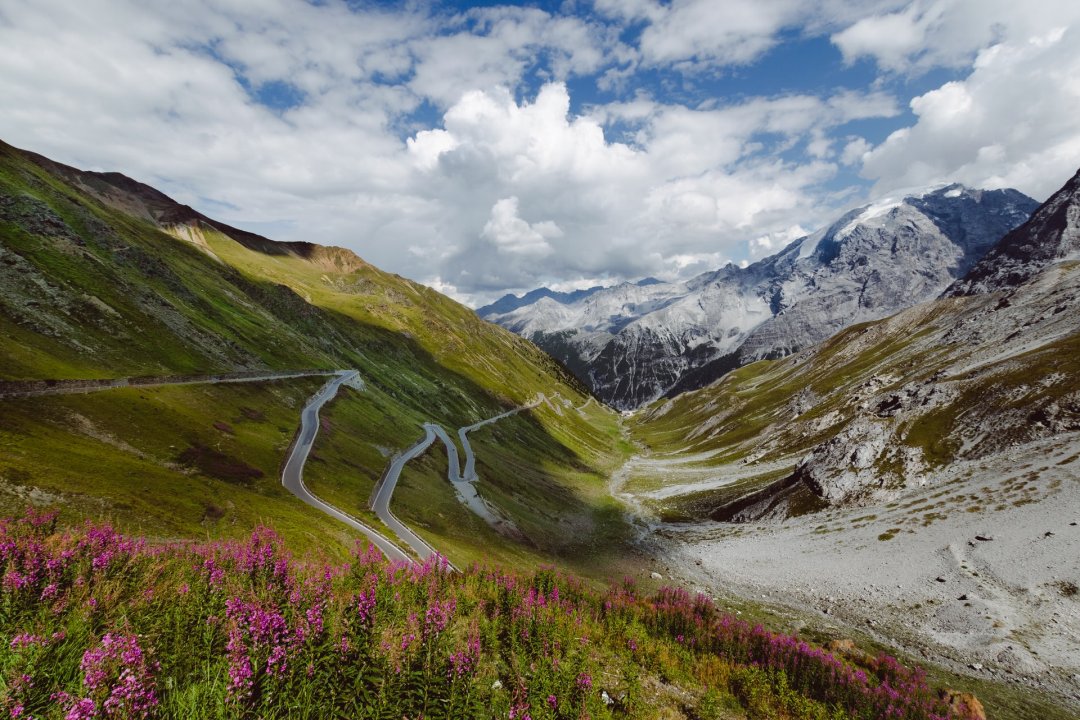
<point>96,625</point>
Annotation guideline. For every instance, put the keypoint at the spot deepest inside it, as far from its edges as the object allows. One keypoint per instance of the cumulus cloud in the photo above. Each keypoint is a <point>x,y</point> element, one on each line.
<point>765,245</point>
<point>509,233</point>
<point>705,34</point>
<point>948,33</point>
<point>891,39</point>
<point>854,151</point>
<point>505,147</point>
<point>692,188</point>
<point>1010,123</point>
<point>736,31</point>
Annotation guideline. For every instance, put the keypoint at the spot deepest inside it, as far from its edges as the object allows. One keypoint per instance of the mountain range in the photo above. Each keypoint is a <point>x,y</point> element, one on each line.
<point>916,476</point>
<point>891,389</point>
<point>635,342</point>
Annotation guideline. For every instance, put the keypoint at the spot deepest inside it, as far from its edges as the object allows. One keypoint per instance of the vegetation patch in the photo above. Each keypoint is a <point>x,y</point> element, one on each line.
<point>1067,588</point>
<point>99,625</point>
<point>224,427</point>
<point>252,414</point>
<point>216,464</point>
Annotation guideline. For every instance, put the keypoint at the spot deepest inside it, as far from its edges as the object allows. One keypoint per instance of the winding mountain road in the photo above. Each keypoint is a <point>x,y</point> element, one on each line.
<point>293,480</point>
<point>292,475</point>
<point>381,502</point>
<point>469,473</point>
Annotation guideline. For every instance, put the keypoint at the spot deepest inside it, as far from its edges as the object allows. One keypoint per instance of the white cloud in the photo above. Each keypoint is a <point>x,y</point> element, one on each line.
<point>854,151</point>
<point>730,32</point>
<point>1010,123</point>
<point>630,9</point>
<point>692,186</point>
<point>509,40</point>
<point>820,146</point>
<point>509,233</point>
<point>707,34</point>
<point>765,245</point>
<point>931,33</point>
<point>891,39</point>
<point>445,145</point>
<point>428,145</point>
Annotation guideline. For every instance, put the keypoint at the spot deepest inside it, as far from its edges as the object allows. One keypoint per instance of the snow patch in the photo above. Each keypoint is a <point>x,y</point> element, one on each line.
<point>870,212</point>
<point>810,242</point>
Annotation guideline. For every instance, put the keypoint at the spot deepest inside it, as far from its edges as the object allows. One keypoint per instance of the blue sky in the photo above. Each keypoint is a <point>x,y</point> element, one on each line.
<point>486,147</point>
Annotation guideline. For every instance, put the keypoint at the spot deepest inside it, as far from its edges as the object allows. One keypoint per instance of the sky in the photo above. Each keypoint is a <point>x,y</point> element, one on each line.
<point>485,148</point>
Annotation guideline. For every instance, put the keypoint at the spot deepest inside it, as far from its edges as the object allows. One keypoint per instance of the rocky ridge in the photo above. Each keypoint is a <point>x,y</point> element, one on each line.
<point>1052,235</point>
<point>633,343</point>
<point>135,198</point>
<point>885,405</point>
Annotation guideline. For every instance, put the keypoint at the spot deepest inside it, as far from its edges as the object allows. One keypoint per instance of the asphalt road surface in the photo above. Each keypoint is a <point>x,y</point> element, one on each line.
<point>292,477</point>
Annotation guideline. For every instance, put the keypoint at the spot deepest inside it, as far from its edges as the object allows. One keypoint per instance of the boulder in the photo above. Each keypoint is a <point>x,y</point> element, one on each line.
<point>963,704</point>
<point>842,467</point>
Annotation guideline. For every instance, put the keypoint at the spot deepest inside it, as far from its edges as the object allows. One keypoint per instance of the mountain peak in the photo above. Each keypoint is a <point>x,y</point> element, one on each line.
<point>510,302</point>
<point>1051,235</point>
<point>872,261</point>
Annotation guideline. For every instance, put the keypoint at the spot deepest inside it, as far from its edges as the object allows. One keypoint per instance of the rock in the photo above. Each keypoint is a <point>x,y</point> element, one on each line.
<point>984,538</point>
<point>940,579</point>
<point>976,666</point>
<point>497,685</point>
<point>843,466</point>
<point>1052,233</point>
<point>1048,533</point>
<point>963,704</point>
<point>656,576</point>
<point>963,597</point>
<point>845,647</point>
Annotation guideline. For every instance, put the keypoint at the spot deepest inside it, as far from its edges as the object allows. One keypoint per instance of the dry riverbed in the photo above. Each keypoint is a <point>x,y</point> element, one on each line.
<point>978,570</point>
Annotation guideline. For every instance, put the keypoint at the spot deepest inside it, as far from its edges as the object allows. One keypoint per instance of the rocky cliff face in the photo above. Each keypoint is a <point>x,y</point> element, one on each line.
<point>635,342</point>
<point>1051,235</point>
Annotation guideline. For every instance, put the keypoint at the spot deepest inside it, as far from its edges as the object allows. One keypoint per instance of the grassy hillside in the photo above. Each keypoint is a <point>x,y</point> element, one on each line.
<point>958,378</point>
<point>551,487</point>
<point>103,277</point>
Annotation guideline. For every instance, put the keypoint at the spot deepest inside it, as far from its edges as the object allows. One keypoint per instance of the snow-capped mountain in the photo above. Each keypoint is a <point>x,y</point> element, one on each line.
<point>632,343</point>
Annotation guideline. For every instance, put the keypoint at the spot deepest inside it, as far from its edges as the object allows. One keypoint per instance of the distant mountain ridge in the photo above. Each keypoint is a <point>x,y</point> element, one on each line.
<point>990,365</point>
<point>510,302</point>
<point>632,343</point>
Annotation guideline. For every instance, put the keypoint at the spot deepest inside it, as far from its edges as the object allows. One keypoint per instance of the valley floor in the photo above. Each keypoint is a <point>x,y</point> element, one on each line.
<point>976,570</point>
